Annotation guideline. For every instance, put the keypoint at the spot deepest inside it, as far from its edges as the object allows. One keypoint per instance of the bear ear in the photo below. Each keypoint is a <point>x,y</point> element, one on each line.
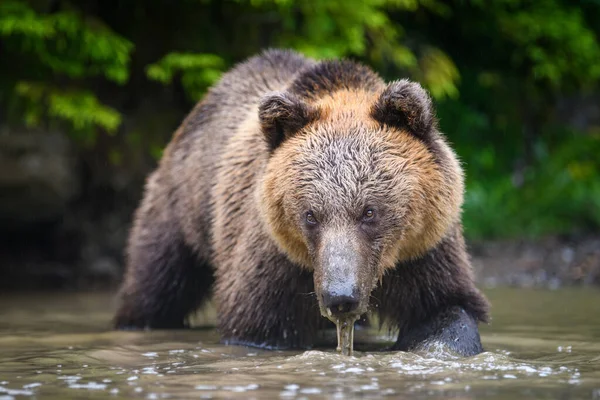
<point>405,104</point>
<point>281,115</point>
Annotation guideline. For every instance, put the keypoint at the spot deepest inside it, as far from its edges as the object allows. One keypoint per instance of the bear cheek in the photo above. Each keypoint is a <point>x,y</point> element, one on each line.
<point>280,210</point>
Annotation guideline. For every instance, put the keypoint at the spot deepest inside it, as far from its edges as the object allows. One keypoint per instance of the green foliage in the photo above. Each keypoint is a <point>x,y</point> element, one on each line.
<point>80,108</point>
<point>438,72</point>
<point>64,44</point>
<point>363,29</point>
<point>198,71</point>
<point>552,40</point>
<point>495,68</point>
<point>17,18</point>
<point>560,192</point>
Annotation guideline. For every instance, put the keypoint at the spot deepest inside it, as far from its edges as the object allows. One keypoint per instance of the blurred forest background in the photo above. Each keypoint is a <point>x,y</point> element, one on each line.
<point>91,91</point>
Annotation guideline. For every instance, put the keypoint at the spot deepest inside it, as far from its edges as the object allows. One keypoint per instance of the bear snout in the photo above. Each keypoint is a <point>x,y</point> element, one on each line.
<point>339,275</point>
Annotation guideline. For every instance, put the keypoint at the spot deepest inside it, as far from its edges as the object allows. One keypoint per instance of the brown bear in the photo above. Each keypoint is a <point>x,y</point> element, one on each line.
<point>298,189</point>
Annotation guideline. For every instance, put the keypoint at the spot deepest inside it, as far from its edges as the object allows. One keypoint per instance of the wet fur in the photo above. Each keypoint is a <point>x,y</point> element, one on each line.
<point>215,207</point>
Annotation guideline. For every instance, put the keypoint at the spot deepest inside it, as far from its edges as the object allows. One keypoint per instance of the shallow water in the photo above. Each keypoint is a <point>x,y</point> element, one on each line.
<point>540,344</point>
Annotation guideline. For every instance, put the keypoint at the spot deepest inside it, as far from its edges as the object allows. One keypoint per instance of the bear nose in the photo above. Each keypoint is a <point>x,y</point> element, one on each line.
<point>340,304</point>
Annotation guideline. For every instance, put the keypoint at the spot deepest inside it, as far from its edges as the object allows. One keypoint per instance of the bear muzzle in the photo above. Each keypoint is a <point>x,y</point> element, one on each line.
<point>339,275</point>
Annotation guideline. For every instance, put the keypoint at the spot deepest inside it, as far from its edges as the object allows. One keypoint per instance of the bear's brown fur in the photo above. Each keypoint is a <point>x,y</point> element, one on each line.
<point>282,140</point>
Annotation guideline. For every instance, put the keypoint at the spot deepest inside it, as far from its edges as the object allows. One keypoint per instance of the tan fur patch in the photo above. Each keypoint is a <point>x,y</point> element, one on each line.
<point>436,190</point>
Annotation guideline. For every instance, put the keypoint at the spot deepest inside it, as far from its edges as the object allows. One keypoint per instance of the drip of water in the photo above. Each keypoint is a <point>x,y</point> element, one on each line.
<point>345,335</point>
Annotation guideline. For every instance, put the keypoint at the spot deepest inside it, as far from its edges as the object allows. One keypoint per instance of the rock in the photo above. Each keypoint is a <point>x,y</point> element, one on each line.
<point>37,176</point>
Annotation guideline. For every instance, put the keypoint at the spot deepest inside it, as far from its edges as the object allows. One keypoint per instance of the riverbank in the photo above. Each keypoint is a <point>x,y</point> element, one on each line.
<point>551,262</point>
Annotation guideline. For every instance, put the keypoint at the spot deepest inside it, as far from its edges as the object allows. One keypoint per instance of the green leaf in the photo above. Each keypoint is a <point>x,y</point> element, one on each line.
<point>67,43</point>
<point>79,108</point>
<point>197,70</point>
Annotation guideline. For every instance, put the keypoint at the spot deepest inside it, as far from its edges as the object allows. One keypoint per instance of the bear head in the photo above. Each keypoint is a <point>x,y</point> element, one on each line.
<point>358,179</point>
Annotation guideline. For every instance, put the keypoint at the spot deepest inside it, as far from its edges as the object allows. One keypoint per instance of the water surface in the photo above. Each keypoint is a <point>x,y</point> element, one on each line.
<point>540,344</point>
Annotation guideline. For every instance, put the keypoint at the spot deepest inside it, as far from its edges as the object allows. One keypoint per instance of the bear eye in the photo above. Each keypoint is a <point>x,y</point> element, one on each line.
<point>310,218</point>
<point>368,214</point>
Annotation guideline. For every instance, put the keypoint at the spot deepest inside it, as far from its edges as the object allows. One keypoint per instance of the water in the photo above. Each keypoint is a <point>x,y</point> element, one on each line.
<point>541,344</point>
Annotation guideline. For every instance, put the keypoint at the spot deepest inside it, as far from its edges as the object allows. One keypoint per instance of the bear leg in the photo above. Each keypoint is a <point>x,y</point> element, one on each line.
<point>433,300</point>
<point>452,330</point>
<point>164,281</point>
<point>280,312</point>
